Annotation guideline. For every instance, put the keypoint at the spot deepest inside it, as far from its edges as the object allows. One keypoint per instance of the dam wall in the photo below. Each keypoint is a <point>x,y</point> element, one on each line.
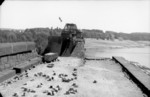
<point>12,54</point>
<point>16,58</point>
<point>79,50</point>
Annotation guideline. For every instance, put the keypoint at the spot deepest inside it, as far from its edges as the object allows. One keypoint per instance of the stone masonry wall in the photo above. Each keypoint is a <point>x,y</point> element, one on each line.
<point>79,50</point>
<point>12,54</point>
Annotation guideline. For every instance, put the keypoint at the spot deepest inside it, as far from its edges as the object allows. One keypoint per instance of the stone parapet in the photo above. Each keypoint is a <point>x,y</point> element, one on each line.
<point>12,54</point>
<point>18,47</point>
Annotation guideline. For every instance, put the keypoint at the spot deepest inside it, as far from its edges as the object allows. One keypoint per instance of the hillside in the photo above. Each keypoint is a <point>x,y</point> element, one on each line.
<point>111,35</point>
<point>40,36</point>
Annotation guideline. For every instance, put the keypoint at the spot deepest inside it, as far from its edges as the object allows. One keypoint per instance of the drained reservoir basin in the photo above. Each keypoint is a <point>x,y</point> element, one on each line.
<point>72,77</point>
<point>93,79</point>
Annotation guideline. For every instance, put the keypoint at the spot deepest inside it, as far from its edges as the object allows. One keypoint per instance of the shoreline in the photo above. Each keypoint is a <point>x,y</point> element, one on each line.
<point>127,49</point>
<point>108,44</point>
<point>143,68</point>
<point>74,77</point>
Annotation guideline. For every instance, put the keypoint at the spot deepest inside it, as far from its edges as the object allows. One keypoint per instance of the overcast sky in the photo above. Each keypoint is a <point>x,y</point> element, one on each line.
<point>120,16</point>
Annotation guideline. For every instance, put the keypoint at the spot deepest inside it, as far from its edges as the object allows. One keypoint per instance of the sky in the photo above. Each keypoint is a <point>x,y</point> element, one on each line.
<point>114,15</point>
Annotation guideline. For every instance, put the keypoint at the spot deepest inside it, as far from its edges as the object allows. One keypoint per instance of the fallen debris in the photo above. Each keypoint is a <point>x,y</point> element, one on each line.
<point>50,65</point>
<point>94,81</point>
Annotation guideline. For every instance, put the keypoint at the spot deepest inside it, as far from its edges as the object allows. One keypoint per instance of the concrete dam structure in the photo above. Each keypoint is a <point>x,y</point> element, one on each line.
<point>64,70</point>
<point>65,44</point>
<point>15,55</point>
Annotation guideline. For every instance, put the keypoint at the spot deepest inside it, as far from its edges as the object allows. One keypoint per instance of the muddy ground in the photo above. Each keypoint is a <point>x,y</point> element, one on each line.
<point>69,77</point>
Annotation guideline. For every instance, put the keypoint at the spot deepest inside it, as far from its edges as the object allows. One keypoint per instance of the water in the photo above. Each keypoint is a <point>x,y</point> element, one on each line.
<point>140,55</point>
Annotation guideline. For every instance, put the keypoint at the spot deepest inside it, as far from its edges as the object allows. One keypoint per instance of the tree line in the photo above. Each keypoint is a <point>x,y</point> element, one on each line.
<point>111,35</point>
<point>40,36</point>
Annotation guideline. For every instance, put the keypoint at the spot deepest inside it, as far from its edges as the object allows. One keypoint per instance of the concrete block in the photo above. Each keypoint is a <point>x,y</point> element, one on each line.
<point>28,64</point>
<point>11,48</point>
<point>5,48</point>
<point>21,67</point>
<point>7,66</point>
<point>2,67</point>
<point>12,60</point>
<point>50,57</point>
<point>14,57</point>
<point>30,55</point>
<point>23,57</point>
<point>27,56</point>
<point>35,54</point>
<point>19,47</point>
<point>18,58</point>
<point>4,75</point>
<point>0,61</point>
<point>35,61</point>
<point>13,63</point>
<point>30,46</point>
<point>4,60</point>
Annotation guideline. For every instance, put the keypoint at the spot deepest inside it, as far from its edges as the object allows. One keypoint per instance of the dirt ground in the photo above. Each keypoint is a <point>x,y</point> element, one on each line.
<point>110,80</point>
<point>44,80</point>
<point>68,77</point>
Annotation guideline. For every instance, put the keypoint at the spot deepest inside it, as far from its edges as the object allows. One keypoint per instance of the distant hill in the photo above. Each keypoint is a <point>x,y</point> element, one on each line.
<point>111,35</point>
<point>40,36</point>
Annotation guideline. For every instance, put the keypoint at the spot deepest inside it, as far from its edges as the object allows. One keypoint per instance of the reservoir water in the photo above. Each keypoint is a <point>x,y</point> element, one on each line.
<point>140,55</point>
